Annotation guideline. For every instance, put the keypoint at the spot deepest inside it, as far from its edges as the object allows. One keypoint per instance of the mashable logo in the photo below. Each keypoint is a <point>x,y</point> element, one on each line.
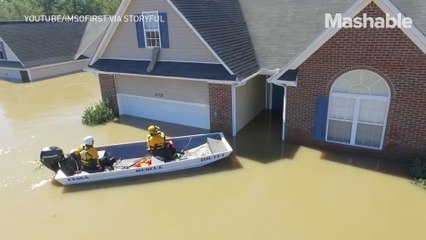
<point>338,21</point>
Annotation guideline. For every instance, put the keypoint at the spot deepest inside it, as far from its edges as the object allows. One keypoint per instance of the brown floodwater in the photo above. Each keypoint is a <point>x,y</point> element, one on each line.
<point>265,190</point>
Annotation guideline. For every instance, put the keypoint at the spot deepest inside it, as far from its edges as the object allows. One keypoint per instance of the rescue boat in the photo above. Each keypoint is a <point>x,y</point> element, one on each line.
<point>131,160</point>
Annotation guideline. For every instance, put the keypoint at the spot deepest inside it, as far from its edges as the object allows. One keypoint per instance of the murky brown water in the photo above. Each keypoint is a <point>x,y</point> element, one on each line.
<point>290,192</point>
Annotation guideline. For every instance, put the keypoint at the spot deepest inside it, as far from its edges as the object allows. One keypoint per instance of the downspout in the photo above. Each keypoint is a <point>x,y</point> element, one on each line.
<point>284,109</point>
<point>234,106</point>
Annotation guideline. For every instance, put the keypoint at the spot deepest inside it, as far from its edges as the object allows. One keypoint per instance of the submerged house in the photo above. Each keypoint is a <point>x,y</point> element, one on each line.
<point>217,64</point>
<point>36,50</point>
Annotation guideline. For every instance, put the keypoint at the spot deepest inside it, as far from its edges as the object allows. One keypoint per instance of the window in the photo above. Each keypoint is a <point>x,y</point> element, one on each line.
<point>151,25</point>
<point>2,52</point>
<point>152,30</point>
<point>358,109</point>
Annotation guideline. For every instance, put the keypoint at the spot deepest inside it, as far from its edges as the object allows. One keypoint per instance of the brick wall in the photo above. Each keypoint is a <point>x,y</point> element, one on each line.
<point>388,52</point>
<point>108,91</point>
<point>220,108</point>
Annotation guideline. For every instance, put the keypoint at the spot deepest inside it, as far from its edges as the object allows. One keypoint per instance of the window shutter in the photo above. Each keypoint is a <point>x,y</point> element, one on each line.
<point>320,121</point>
<point>164,30</point>
<point>140,32</point>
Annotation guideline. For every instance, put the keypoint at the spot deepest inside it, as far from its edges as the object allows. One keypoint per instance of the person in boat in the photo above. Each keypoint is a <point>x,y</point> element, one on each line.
<point>88,155</point>
<point>158,145</point>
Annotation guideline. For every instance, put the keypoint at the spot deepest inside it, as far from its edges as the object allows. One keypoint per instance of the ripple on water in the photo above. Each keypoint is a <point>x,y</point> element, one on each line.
<point>40,184</point>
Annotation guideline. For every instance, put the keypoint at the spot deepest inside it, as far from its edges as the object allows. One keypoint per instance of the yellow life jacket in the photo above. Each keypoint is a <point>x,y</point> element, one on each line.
<point>88,155</point>
<point>156,141</point>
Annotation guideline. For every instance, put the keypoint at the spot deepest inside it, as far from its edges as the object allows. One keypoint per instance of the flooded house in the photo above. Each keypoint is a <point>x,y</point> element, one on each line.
<point>217,64</point>
<point>37,50</point>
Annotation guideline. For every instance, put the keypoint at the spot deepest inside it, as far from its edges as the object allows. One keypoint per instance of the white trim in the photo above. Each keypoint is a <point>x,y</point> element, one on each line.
<point>355,121</point>
<point>224,82</point>
<point>265,71</point>
<point>352,95</point>
<point>110,31</point>
<point>413,33</point>
<point>144,29</point>
<point>200,37</point>
<point>284,116</point>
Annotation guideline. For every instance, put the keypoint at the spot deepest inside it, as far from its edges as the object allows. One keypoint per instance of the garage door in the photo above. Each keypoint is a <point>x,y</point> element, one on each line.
<point>168,100</point>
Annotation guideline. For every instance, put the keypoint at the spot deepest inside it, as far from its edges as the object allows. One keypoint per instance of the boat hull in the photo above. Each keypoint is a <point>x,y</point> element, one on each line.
<point>217,145</point>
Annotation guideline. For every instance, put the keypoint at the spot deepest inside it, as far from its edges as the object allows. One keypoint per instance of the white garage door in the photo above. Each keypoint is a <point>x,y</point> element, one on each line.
<point>175,101</point>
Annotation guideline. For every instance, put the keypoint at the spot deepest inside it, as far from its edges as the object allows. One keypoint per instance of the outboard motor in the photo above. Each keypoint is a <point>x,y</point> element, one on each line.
<point>51,156</point>
<point>54,159</point>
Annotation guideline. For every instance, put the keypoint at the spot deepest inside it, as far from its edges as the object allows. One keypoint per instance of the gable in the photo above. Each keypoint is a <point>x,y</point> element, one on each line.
<point>8,53</point>
<point>184,44</point>
<point>413,34</point>
<point>222,25</point>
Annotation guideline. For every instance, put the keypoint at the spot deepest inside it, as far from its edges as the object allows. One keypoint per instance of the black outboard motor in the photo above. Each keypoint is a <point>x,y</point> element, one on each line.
<point>51,156</point>
<point>54,159</point>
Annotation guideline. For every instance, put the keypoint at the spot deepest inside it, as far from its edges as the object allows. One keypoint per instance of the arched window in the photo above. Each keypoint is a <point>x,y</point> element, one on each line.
<point>358,109</point>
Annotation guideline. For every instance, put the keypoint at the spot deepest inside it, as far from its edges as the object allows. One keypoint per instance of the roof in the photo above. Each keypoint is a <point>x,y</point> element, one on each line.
<point>93,30</point>
<point>167,69</point>
<point>281,29</point>
<point>414,9</point>
<point>222,25</point>
<point>43,43</point>
<point>414,34</point>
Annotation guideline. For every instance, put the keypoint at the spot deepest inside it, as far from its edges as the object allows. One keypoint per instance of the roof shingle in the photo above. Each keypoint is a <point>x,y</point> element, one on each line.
<point>37,44</point>
<point>222,25</point>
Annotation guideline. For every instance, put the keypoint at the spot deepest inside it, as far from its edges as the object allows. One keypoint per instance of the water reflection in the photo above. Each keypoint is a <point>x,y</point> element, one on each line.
<point>261,140</point>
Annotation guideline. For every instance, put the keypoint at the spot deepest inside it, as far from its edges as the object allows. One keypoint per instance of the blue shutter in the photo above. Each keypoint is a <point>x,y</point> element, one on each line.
<point>140,32</point>
<point>164,30</point>
<point>320,121</point>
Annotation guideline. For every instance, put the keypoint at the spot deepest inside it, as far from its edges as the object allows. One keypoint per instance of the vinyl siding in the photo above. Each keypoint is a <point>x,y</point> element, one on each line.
<point>184,44</point>
<point>250,100</point>
<point>90,51</point>
<point>55,70</point>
